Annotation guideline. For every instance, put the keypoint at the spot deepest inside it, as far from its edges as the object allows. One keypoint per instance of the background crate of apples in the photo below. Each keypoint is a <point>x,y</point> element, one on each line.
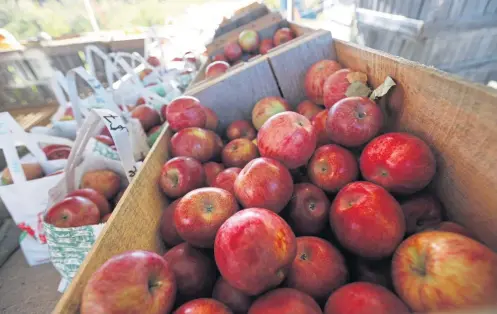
<point>448,120</point>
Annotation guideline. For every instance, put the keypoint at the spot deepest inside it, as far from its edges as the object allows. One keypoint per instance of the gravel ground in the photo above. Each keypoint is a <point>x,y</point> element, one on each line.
<point>27,290</point>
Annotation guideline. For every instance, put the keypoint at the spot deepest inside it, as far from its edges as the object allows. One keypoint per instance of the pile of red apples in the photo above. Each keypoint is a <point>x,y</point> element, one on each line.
<point>315,211</point>
<point>249,45</point>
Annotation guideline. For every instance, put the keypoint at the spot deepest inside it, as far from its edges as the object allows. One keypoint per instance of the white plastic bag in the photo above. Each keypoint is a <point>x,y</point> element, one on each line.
<point>27,200</point>
<point>69,246</point>
<point>34,252</point>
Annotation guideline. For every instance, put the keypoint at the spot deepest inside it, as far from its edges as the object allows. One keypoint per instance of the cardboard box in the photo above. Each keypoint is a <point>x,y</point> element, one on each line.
<point>456,118</point>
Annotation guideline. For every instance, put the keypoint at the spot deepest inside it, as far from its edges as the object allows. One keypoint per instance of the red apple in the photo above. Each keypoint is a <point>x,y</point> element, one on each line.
<point>319,124</point>
<point>75,211</point>
<point>201,212</point>
<point>95,197</point>
<point>194,271</point>
<point>216,68</point>
<point>211,121</point>
<point>368,235</point>
<point>339,86</point>
<point>285,301</point>
<point>236,300</point>
<point>204,306</point>
<point>144,73</point>
<point>105,218</point>
<point>201,144</point>
<point>308,209</point>
<point>332,167</point>
<point>265,46</point>
<point>141,101</point>
<point>153,134</point>
<point>364,297</point>
<point>219,57</point>
<point>254,249</point>
<point>181,175</point>
<point>62,152</point>
<point>240,129</point>
<point>266,108</point>
<point>422,212</point>
<point>153,61</point>
<point>239,152</point>
<point>282,36</point>
<point>132,282</point>
<point>212,169</point>
<point>354,121</point>
<point>436,270</point>
<point>376,272</point>
<point>315,77</point>
<point>248,40</point>
<point>318,269</point>
<point>107,140</point>
<point>167,227</point>
<point>232,51</point>
<point>184,112</point>
<point>226,179</point>
<point>308,109</point>
<point>287,137</point>
<point>105,182</point>
<point>147,116</point>
<point>450,226</point>
<point>400,162</point>
<point>264,182</point>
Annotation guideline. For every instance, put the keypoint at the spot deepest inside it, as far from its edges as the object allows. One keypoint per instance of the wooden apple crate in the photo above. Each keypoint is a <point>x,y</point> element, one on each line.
<point>266,26</point>
<point>456,118</point>
<point>241,17</point>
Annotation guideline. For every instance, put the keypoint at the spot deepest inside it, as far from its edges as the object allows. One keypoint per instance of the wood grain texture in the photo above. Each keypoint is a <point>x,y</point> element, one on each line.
<point>241,17</point>
<point>457,119</point>
<point>133,225</point>
<point>291,61</point>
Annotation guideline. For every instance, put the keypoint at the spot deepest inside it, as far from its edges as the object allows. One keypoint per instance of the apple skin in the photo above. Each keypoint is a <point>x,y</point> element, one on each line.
<point>144,73</point>
<point>153,134</point>
<point>400,162</point>
<point>201,144</point>
<point>319,125</point>
<point>212,121</point>
<point>248,40</point>
<point>74,211</point>
<point>105,182</point>
<point>332,167</point>
<point>107,140</point>
<point>370,236</point>
<point>144,278</point>
<point>308,209</point>
<point>265,46</point>
<point>97,198</point>
<point>181,175</point>
<point>375,272</point>
<point>254,266</point>
<point>219,57</point>
<point>436,270</point>
<point>167,227</point>
<point>364,297</point>
<point>285,301</point>
<point>184,112</point>
<point>212,169</point>
<point>216,68</point>
<point>241,129</point>
<point>282,36</point>
<point>265,183</point>
<point>449,226</point>
<point>31,170</point>
<point>105,218</point>
<point>336,85</point>
<point>266,108</point>
<point>232,51</point>
<point>308,109</point>
<point>147,116</point>
<point>204,306</point>
<point>318,269</point>
<point>226,179</point>
<point>239,152</point>
<point>315,77</point>
<point>422,211</point>
<point>141,101</point>
<point>62,152</point>
<point>287,137</point>
<point>153,61</point>
<point>236,300</point>
<point>201,212</point>
<point>194,271</point>
<point>354,121</point>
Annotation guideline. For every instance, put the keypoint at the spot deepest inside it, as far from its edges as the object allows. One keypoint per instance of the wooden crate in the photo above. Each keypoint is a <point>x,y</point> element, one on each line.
<point>265,27</point>
<point>241,17</point>
<point>454,117</point>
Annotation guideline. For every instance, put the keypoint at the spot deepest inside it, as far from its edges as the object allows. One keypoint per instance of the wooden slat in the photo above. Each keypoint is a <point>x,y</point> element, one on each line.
<point>457,119</point>
<point>242,16</point>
